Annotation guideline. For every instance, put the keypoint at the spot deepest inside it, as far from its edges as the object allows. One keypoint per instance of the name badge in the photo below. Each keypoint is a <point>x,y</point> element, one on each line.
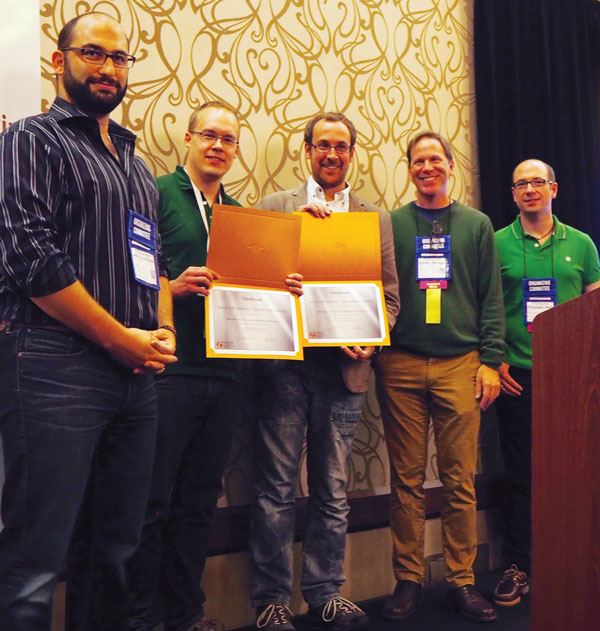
<point>141,236</point>
<point>433,258</point>
<point>539,295</point>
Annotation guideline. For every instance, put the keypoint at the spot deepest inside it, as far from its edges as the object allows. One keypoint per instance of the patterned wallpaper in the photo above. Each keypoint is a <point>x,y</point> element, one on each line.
<point>393,66</point>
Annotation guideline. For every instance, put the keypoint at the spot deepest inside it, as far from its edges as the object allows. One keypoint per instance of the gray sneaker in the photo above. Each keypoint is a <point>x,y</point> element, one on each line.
<point>339,614</point>
<point>274,617</point>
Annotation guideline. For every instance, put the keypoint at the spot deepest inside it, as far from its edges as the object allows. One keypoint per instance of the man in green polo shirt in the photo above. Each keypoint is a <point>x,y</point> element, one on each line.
<point>543,263</point>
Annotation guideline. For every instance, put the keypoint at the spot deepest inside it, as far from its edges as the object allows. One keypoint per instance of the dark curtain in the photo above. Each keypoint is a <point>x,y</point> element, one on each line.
<point>537,68</point>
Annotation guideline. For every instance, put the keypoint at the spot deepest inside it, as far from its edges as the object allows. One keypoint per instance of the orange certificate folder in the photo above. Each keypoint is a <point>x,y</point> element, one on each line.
<point>340,260</point>
<point>341,247</point>
<point>250,312</point>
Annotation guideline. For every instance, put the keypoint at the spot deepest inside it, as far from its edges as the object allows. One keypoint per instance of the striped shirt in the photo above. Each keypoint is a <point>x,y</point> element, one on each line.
<point>64,201</point>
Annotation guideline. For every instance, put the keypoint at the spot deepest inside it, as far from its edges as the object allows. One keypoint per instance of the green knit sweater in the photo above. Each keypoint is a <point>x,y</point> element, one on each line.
<point>472,308</point>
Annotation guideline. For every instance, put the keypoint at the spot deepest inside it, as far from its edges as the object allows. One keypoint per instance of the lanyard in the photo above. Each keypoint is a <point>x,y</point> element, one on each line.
<point>203,205</point>
<point>551,251</point>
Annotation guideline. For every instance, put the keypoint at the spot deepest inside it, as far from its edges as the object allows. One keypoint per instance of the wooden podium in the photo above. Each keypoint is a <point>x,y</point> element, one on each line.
<point>565,593</point>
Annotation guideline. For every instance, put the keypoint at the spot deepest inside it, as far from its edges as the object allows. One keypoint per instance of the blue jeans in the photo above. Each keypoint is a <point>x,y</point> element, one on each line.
<point>197,417</point>
<point>302,399</point>
<point>68,411</point>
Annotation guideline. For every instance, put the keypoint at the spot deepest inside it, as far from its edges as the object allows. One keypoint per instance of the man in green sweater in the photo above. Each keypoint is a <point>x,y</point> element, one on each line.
<point>543,263</point>
<point>198,404</point>
<point>442,365</point>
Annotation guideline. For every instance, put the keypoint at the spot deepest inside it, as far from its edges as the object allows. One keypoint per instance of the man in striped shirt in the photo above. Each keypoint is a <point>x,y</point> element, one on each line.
<point>85,321</point>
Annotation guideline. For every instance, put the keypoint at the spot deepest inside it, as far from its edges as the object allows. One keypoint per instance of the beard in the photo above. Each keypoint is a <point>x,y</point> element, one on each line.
<point>96,103</point>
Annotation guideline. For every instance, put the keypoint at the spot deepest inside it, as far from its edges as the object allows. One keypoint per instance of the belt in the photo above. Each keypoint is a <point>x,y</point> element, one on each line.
<point>8,325</point>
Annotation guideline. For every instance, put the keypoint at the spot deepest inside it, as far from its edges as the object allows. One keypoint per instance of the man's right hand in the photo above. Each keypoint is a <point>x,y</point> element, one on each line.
<point>507,384</point>
<point>194,280</point>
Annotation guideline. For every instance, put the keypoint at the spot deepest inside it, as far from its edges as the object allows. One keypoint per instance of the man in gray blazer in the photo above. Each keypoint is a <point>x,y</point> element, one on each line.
<point>319,399</point>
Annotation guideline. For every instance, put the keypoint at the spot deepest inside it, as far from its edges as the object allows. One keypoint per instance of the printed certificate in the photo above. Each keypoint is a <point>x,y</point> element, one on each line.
<point>248,322</point>
<point>335,314</point>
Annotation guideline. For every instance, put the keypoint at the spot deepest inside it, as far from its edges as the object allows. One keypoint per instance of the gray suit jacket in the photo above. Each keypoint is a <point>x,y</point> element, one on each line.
<point>355,373</point>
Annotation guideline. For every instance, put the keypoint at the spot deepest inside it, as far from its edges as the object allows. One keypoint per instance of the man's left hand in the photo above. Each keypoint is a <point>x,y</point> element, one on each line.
<point>359,352</point>
<point>317,209</point>
<point>487,386</point>
<point>164,341</point>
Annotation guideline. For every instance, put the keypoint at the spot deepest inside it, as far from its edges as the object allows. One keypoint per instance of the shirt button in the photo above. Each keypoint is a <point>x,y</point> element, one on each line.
<point>537,245</point>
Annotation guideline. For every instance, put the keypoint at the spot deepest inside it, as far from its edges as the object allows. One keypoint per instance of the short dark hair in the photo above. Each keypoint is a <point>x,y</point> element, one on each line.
<point>65,37</point>
<point>220,105</point>
<point>549,170</point>
<point>435,136</point>
<point>333,117</point>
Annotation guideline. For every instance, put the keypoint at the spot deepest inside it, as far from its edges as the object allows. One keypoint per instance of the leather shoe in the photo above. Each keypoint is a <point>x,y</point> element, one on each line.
<point>469,603</point>
<point>511,587</point>
<point>402,604</point>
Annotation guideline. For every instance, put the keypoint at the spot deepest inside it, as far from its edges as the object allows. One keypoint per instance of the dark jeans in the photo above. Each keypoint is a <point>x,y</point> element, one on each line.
<point>302,400</point>
<point>514,425</point>
<point>67,408</point>
<point>197,416</point>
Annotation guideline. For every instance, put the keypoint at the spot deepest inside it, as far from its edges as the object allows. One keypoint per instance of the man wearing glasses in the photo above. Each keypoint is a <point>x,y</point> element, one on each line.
<point>319,399</point>
<point>442,366</point>
<point>543,263</point>
<point>81,334</point>
<point>199,403</point>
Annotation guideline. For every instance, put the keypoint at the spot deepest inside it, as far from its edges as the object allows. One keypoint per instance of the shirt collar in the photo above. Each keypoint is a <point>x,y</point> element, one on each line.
<point>315,193</point>
<point>519,234</point>
<point>184,181</point>
<point>63,110</point>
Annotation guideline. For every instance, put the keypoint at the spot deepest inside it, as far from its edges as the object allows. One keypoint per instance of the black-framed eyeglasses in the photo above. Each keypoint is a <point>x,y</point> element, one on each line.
<point>536,182</point>
<point>325,147</point>
<point>210,137</point>
<point>98,57</point>
<point>436,228</point>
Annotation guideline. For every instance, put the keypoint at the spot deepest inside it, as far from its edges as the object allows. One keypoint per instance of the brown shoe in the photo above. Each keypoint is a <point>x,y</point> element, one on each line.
<point>511,587</point>
<point>402,604</point>
<point>469,603</point>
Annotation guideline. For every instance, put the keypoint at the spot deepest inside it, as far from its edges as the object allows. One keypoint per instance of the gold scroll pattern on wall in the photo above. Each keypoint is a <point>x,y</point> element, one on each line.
<point>394,67</point>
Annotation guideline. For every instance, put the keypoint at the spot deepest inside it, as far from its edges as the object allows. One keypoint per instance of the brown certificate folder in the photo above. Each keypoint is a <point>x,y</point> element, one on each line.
<point>252,251</point>
<point>341,247</point>
<point>251,247</point>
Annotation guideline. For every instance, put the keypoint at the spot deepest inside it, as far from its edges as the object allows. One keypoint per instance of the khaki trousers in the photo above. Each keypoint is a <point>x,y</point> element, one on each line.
<point>412,389</point>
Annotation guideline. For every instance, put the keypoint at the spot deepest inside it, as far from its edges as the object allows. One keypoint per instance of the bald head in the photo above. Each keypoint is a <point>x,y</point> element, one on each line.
<point>535,163</point>
<point>65,37</point>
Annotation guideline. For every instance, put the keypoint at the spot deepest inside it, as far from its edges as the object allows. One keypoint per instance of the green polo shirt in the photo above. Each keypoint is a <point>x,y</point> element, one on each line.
<point>570,252</point>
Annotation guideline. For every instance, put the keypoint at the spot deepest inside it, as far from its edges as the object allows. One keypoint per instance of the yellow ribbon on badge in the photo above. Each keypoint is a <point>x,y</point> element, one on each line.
<point>433,306</point>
